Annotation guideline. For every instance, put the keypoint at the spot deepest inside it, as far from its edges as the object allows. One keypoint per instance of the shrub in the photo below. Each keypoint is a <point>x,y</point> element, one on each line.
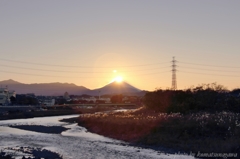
<point>206,97</point>
<point>158,100</point>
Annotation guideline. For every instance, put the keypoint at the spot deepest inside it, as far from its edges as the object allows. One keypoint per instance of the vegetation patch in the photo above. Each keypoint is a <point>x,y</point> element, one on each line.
<point>203,131</point>
<point>207,98</point>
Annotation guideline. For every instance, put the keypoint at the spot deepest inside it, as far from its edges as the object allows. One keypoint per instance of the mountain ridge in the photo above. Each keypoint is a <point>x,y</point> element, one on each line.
<point>48,89</point>
<point>57,88</point>
<point>115,88</point>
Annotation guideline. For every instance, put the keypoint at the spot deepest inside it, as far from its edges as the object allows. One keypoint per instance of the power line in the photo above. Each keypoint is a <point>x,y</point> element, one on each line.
<point>174,82</point>
<point>42,64</point>
<point>29,74</point>
<point>208,74</point>
<point>153,73</point>
<point>46,70</point>
<point>209,69</point>
<point>209,65</point>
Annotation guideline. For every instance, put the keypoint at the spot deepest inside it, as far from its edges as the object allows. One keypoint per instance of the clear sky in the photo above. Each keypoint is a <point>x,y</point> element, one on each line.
<point>83,42</point>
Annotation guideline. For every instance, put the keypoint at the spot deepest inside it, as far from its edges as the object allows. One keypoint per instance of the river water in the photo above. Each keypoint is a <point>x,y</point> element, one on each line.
<point>74,143</point>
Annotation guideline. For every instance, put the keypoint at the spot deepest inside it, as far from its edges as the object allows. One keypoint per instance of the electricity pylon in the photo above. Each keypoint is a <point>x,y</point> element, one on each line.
<point>174,77</point>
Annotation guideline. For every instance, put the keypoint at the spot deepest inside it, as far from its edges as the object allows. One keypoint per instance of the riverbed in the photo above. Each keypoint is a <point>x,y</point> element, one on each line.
<point>75,142</point>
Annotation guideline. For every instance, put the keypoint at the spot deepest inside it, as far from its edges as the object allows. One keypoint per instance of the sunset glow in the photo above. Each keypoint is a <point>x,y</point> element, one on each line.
<point>118,79</point>
<point>92,43</point>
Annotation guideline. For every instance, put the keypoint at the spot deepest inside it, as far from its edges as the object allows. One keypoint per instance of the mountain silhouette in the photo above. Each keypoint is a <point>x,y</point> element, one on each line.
<point>115,88</point>
<point>58,89</point>
<point>10,81</point>
<point>46,89</point>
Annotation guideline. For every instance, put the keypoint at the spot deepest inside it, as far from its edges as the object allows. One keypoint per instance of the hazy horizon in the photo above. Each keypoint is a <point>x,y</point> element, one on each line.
<point>22,82</point>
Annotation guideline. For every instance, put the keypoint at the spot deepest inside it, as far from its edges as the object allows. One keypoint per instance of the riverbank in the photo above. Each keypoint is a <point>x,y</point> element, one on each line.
<point>76,142</point>
<point>57,111</point>
<point>28,153</point>
<point>198,132</point>
<point>45,113</point>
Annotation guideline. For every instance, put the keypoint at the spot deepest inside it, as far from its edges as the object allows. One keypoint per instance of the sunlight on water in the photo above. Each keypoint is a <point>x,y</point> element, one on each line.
<point>73,142</point>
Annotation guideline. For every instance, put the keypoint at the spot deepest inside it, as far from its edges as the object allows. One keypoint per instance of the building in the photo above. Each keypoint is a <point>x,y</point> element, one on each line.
<point>48,102</point>
<point>106,100</point>
<point>12,93</point>
<point>4,96</point>
<point>66,96</point>
<point>91,99</point>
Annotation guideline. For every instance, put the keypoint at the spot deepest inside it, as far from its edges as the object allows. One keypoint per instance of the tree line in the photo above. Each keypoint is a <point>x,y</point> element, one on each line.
<point>206,97</point>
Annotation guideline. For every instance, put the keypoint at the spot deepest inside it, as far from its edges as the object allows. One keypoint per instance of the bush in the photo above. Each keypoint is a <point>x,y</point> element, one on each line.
<point>203,131</point>
<point>206,97</point>
<point>158,100</point>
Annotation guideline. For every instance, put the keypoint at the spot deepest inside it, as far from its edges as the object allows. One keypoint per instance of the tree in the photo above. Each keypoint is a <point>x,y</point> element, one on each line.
<point>13,100</point>
<point>117,98</point>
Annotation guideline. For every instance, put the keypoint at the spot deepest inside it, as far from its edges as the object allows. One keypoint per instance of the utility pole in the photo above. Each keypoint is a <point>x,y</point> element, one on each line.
<point>174,77</point>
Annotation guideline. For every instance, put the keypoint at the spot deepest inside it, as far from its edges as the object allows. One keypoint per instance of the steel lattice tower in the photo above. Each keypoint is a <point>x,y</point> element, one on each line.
<point>174,77</point>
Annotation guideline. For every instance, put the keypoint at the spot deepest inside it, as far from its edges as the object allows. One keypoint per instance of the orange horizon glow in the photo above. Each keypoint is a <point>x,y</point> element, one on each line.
<point>118,79</point>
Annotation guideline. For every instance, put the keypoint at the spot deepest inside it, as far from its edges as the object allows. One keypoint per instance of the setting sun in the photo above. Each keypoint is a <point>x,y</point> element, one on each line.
<point>118,79</point>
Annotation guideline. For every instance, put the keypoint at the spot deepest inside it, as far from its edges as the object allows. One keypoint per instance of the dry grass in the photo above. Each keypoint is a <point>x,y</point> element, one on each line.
<point>219,132</point>
<point>94,109</point>
<point>127,126</point>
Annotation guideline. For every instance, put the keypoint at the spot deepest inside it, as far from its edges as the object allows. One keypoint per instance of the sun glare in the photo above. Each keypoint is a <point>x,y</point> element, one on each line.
<point>118,79</point>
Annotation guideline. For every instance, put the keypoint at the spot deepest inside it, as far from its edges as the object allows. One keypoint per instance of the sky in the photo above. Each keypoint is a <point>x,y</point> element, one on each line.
<point>90,43</point>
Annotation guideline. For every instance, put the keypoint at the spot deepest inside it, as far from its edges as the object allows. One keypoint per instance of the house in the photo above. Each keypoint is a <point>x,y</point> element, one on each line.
<point>48,102</point>
<point>12,93</point>
<point>106,100</point>
<point>4,96</point>
<point>91,99</point>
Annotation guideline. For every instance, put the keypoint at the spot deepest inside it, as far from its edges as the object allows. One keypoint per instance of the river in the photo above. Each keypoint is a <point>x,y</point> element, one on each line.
<point>74,143</point>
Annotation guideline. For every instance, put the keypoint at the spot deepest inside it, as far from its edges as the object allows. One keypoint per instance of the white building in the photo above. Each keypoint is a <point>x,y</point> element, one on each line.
<point>93,99</point>
<point>106,100</point>
<point>12,93</point>
<point>49,102</point>
<point>4,96</point>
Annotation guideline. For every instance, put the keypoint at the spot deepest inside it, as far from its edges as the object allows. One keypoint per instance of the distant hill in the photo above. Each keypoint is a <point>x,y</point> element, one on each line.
<point>47,89</point>
<point>56,89</point>
<point>9,82</point>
